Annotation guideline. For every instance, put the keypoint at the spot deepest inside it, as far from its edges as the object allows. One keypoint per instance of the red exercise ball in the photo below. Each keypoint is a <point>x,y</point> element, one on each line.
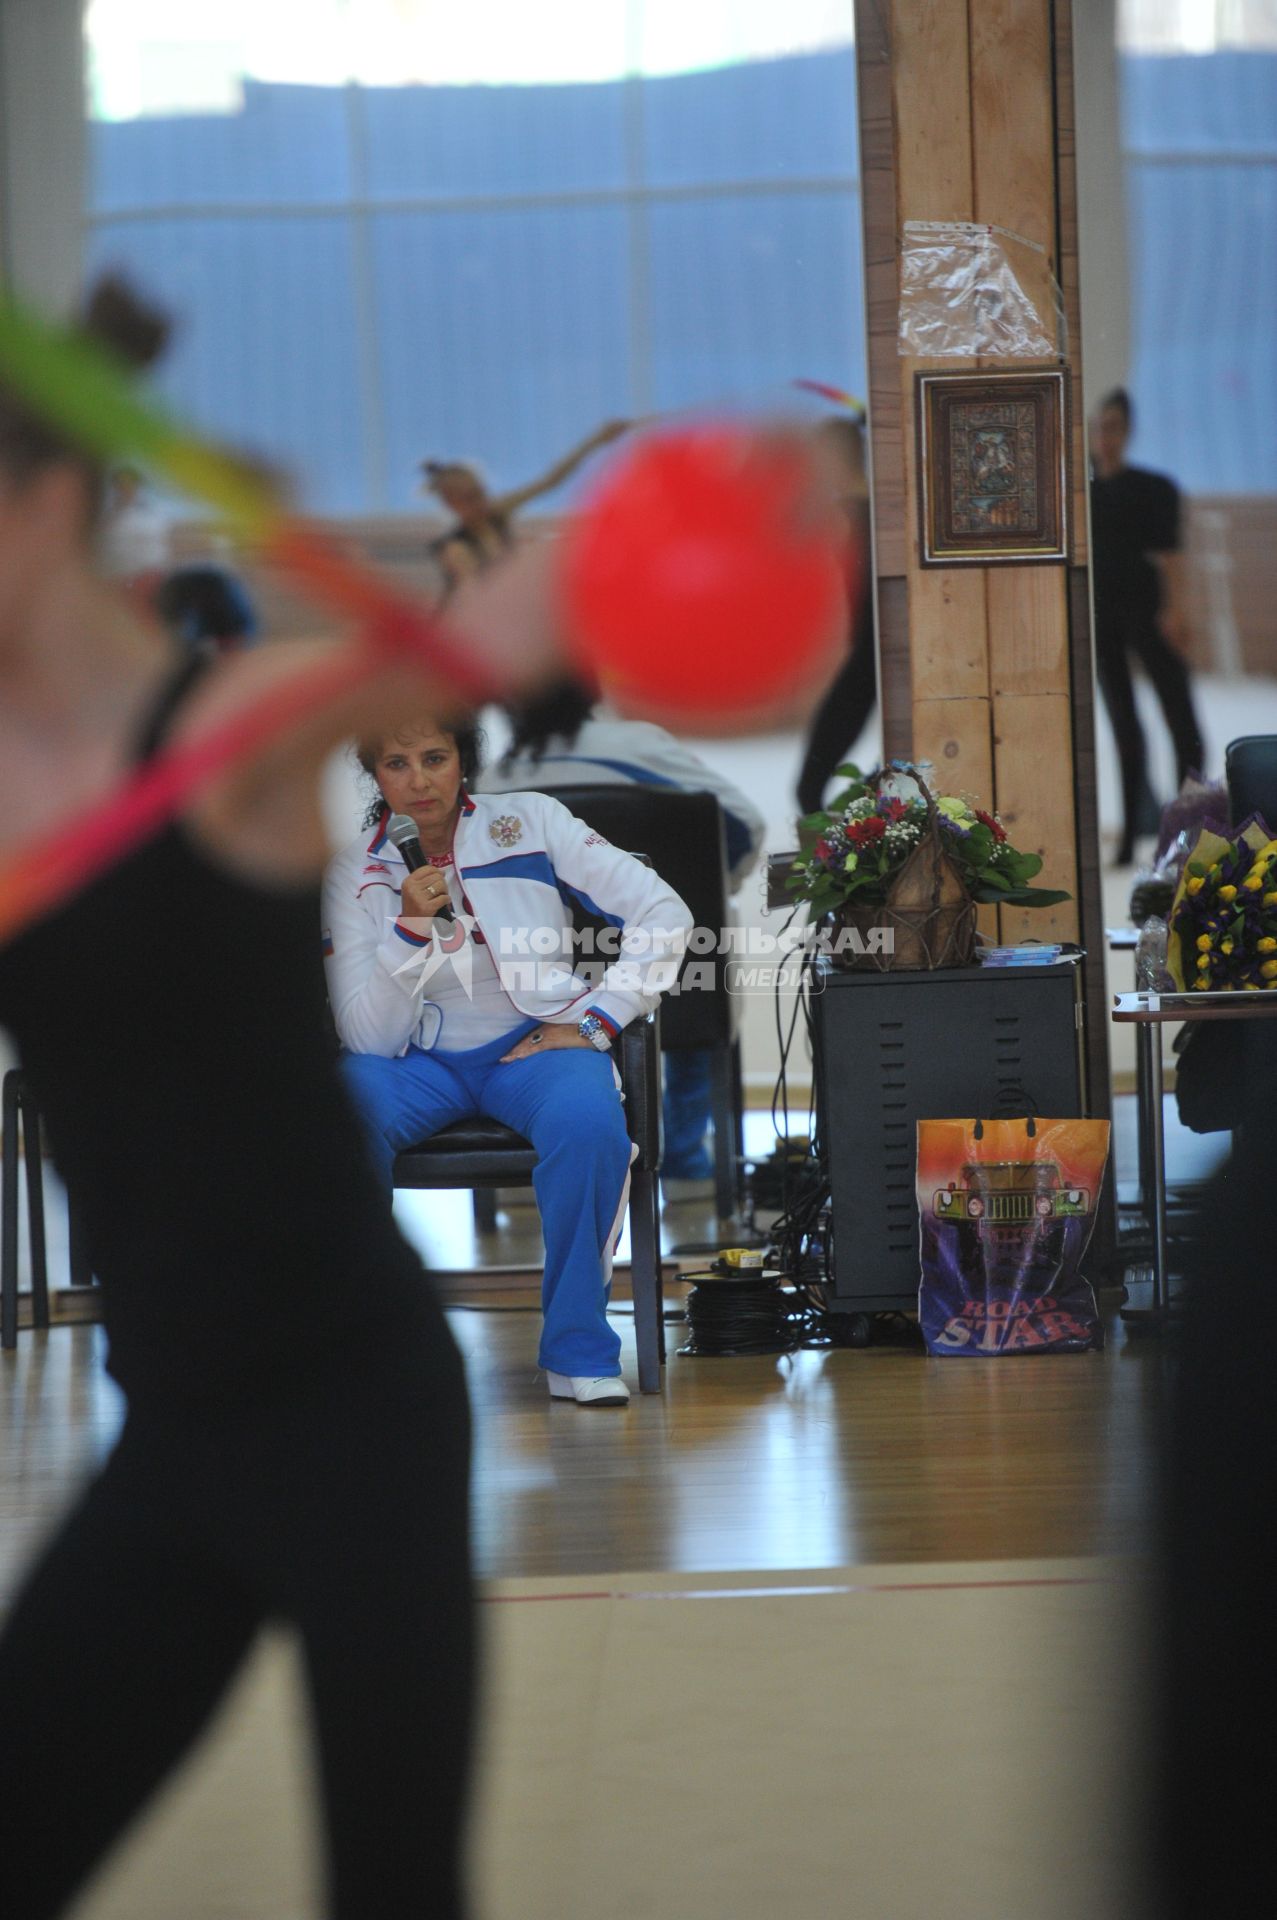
<point>705,579</point>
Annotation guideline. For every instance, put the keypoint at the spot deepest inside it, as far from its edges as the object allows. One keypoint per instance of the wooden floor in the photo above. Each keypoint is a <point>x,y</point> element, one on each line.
<point>864,1744</point>
<point>823,1460</point>
<point>819,1460</point>
<point>791,1733</point>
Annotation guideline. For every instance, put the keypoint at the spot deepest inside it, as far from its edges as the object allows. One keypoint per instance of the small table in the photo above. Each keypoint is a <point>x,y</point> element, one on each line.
<point>1149,1013</point>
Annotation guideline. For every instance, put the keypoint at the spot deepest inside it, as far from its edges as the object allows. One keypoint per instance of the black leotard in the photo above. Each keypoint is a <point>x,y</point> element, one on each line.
<point>297,1441</point>
<point>171,1021</point>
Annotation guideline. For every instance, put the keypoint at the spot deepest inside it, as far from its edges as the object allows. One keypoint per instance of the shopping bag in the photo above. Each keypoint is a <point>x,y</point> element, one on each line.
<point>1007,1209</point>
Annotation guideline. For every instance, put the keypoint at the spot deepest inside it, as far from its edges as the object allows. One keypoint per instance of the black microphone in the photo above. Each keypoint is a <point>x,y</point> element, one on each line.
<point>403,832</point>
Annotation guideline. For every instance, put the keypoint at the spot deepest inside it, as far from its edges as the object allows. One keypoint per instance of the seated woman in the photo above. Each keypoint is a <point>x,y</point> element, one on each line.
<point>442,1020</point>
<point>563,736</point>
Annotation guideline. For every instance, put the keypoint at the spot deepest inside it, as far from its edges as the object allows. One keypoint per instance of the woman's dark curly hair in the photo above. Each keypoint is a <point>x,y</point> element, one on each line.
<point>557,712</point>
<point>466,734</point>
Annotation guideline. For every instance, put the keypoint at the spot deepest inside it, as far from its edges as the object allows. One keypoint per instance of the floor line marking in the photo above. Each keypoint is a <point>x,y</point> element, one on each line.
<point>793,1593</point>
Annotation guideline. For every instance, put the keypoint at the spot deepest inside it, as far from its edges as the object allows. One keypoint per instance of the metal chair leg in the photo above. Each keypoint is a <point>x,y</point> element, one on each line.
<point>81,1264</point>
<point>660,1288</point>
<point>738,1105</point>
<point>485,1209</point>
<point>9,1215</point>
<point>723,1108</point>
<point>645,1278</point>
<point>33,1156</point>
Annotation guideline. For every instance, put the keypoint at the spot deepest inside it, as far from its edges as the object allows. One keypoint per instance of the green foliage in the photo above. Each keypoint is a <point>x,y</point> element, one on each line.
<point>852,852</point>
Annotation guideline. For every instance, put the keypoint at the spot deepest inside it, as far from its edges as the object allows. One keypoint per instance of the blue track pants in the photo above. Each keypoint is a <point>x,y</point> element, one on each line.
<point>567,1103</point>
<point>688,1107</point>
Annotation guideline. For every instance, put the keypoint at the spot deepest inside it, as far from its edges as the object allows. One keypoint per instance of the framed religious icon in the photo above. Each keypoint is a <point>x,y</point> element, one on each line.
<point>993,479</point>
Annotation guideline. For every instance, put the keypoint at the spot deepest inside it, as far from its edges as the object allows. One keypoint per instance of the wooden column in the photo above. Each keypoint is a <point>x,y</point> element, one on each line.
<point>43,147</point>
<point>966,113</point>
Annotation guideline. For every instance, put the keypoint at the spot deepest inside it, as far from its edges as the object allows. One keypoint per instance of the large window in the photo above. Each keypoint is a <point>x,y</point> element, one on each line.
<point>402,228</point>
<point>1199,132</point>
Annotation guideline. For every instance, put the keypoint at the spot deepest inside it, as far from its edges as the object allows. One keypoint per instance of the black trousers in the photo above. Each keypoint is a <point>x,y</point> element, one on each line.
<point>343,1513</point>
<point>839,718</point>
<point>1119,635</point>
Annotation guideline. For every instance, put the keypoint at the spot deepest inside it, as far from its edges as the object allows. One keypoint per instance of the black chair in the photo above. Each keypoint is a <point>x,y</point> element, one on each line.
<point>20,1106</point>
<point>1250,769</point>
<point>683,836</point>
<point>482,1153</point>
<point>21,1113</point>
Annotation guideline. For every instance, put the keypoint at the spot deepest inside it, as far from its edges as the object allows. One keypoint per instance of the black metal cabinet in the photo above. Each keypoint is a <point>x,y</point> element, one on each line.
<point>891,1049</point>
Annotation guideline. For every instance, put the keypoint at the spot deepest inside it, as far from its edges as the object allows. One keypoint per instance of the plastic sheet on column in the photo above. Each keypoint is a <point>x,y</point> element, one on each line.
<point>969,291</point>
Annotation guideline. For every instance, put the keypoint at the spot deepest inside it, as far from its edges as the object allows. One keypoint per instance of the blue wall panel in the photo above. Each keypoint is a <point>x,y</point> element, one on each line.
<point>507,330</point>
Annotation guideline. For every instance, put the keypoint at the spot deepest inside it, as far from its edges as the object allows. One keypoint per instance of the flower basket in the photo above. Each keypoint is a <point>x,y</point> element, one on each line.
<point>928,912</point>
<point>901,871</point>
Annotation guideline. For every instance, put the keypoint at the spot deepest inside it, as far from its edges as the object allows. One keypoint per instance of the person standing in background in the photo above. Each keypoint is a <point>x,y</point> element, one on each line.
<point>853,694</point>
<point>1140,613</point>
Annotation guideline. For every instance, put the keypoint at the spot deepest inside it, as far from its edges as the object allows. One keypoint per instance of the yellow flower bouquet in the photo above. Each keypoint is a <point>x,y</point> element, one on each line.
<point>1223,925</point>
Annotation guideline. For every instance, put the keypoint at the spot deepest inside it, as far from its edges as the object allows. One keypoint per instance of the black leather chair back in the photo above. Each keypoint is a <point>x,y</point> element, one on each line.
<point>1250,768</point>
<point>683,837</point>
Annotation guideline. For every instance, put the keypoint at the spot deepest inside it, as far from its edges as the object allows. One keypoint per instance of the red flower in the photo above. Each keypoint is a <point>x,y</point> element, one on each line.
<point>821,850</point>
<point>995,827</point>
<point>892,809</point>
<point>863,833</point>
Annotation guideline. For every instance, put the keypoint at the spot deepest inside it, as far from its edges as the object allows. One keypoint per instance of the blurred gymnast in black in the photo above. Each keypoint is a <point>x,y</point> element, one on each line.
<point>1209,1850</point>
<point>296,1439</point>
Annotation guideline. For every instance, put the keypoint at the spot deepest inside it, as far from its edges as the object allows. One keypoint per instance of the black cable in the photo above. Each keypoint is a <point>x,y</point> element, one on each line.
<point>784,1042</point>
<point>801,1237</point>
<point>751,1315</point>
<point>729,1317</point>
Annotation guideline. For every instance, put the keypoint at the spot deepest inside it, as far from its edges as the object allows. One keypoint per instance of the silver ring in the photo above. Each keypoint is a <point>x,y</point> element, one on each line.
<point>535,1039</point>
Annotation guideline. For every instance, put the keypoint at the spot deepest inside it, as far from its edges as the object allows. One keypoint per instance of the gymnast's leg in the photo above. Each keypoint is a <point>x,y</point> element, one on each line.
<point>376,1577</point>
<point>117,1651</point>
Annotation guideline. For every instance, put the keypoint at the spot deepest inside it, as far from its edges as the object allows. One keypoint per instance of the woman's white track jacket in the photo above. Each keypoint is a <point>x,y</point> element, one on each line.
<point>607,751</point>
<point>522,860</point>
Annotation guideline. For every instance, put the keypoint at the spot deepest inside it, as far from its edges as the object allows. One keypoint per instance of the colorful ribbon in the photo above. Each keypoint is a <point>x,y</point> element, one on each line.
<point>835,394</point>
<point>82,392</point>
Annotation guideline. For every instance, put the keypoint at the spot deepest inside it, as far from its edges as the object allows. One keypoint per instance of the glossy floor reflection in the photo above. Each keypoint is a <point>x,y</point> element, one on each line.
<point>746,1700</point>
<point>817,1460</point>
<point>813,1461</point>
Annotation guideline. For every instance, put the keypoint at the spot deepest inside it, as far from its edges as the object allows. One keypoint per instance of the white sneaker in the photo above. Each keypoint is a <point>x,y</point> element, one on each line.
<point>610,1392</point>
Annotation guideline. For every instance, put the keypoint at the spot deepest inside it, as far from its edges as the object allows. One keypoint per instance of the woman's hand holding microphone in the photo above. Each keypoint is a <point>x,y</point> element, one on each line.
<point>424,894</point>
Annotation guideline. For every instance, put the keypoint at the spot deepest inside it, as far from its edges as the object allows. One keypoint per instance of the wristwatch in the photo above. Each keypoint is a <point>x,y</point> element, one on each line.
<point>592,1029</point>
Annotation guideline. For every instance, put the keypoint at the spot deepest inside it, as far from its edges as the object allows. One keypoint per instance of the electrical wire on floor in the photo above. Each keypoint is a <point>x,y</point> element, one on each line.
<point>739,1315</point>
<point>800,1239</point>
